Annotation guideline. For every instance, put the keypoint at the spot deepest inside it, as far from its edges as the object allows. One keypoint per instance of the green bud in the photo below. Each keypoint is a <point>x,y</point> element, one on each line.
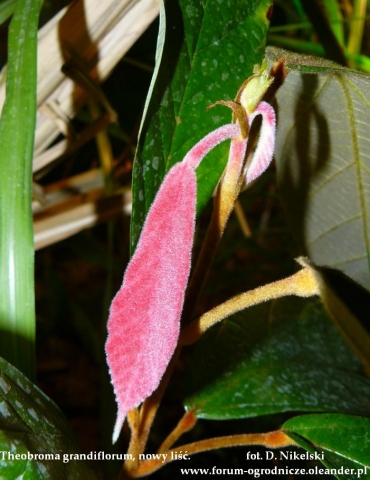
<point>255,88</point>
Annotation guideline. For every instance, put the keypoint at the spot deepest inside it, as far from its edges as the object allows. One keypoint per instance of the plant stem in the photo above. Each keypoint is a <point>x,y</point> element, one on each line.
<point>105,150</point>
<point>185,424</point>
<point>302,283</point>
<point>133,418</point>
<point>243,222</point>
<point>357,27</point>
<point>147,415</point>
<point>277,439</point>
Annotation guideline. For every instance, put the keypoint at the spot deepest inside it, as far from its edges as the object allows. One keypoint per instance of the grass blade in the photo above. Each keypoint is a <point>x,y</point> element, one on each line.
<point>17,125</point>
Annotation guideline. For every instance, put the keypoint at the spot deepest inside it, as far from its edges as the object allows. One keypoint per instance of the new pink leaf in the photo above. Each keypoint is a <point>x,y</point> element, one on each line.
<point>144,320</point>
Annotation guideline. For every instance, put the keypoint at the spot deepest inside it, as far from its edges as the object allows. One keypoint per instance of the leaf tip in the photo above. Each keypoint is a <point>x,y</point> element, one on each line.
<point>120,420</point>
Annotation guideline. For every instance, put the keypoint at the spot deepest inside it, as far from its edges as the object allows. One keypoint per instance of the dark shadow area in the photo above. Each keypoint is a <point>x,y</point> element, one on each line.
<point>355,297</point>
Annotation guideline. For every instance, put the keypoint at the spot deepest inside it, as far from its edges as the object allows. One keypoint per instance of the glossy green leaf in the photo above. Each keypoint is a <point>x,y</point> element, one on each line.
<point>30,424</point>
<point>344,439</point>
<point>17,125</point>
<point>205,51</point>
<point>323,161</point>
<point>344,469</point>
<point>275,357</point>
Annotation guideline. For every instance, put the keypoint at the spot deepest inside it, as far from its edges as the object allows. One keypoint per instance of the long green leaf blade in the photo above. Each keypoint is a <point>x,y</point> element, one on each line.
<point>17,124</point>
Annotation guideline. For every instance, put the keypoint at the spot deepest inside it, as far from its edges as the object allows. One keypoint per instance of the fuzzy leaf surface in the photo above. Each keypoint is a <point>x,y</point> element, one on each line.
<point>205,51</point>
<point>323,161</point>
<point>276,357</point>
<point>144,317</point>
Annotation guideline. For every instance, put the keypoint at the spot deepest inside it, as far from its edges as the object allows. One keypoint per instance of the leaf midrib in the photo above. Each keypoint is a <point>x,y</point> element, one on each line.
<point>357,160</point>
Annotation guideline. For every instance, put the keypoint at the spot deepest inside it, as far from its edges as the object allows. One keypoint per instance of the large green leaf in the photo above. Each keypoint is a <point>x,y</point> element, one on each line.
<point>30,424</point>
<point>344,439</point>
<point>205,51</point>
<point>276,357</point>
<point>323,161</point>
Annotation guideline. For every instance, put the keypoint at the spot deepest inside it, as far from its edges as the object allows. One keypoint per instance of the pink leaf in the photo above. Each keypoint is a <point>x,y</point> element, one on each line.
<point>144,320</point>
<point>266,144</point>
<point>144,316</point>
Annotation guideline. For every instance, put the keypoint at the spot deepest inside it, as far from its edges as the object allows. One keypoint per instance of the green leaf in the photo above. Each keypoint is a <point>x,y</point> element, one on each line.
<point>275,357</point>
<point>6,9</point>
<point>30,424</point>
<point>205,51</point>
<point>323,162</point>
<point>344,439</point>
<point>17,125</point>
<point>344,468</point>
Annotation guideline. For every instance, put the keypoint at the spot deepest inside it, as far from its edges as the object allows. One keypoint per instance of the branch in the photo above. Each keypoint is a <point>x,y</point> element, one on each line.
<point>277,439</point>
<point>302,284</point>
